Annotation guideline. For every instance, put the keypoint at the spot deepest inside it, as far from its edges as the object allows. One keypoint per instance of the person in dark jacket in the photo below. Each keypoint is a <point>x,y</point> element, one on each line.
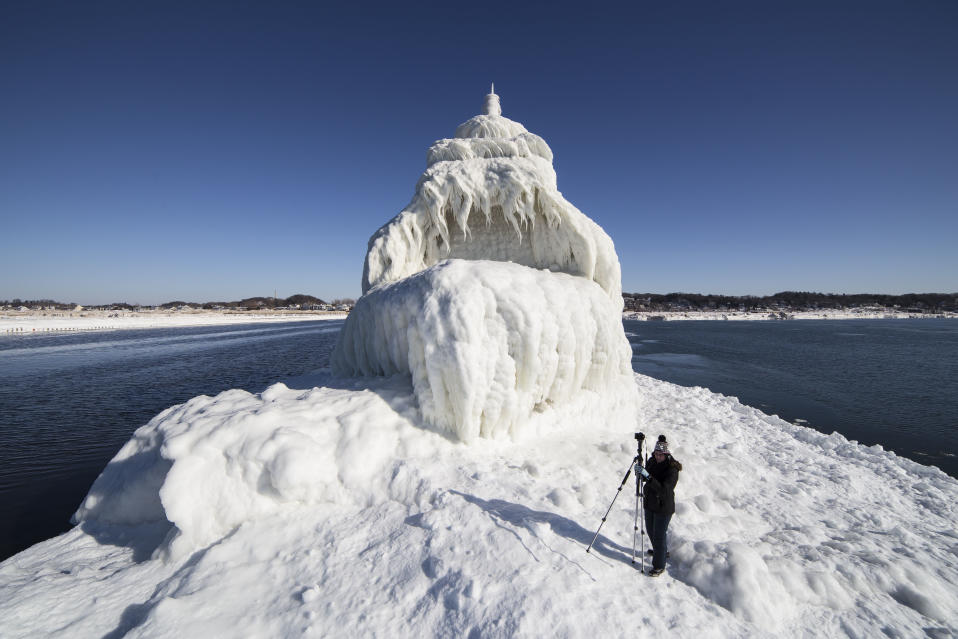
<point>661,473</point>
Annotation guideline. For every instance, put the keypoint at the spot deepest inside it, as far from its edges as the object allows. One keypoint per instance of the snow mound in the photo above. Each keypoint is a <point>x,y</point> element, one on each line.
<point>490,193</point>
<point>213,463</point>
<point>490,345</point>
<point>319,509</point>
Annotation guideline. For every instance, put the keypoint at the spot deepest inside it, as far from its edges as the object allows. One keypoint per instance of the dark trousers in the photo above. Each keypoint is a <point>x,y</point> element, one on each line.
<point>656,525</point>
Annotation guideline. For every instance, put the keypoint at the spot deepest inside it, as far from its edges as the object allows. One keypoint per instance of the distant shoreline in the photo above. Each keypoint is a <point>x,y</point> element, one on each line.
<point>823,314</point>
<point>27,322</point>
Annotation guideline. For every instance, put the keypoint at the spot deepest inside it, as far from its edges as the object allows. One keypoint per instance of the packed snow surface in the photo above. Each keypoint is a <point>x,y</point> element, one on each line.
<point>491,345</point>
<point>326,507</point>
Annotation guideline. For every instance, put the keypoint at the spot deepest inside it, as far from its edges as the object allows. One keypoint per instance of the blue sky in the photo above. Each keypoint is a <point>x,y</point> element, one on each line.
<point>153,151</point>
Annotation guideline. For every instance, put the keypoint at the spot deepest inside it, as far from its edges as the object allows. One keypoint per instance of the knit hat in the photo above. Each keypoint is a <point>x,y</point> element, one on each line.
<point>662,446</point>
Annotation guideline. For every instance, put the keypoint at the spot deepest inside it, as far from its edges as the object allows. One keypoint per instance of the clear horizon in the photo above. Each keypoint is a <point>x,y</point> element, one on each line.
<point>210,152</point>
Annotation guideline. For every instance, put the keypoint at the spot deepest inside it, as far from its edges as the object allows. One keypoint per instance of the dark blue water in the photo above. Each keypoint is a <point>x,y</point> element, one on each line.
<point>888,382</point>
<point>68,402</point>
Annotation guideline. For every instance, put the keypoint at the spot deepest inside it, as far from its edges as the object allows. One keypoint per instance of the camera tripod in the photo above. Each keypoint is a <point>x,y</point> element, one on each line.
<point>638,459</point>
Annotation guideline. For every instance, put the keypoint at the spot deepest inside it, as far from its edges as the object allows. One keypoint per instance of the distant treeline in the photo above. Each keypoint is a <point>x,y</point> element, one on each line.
<point>250,303</point>
<point>786,300</point>
<point>793,300</point>
<point>298,300</point>
<point>17,302</point>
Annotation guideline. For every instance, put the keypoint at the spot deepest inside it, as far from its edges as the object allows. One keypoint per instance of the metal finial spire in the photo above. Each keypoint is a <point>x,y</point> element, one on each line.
<point>491,106</point>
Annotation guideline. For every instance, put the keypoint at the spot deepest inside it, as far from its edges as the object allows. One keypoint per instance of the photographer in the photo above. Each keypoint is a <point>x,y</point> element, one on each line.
<point>661,473</point>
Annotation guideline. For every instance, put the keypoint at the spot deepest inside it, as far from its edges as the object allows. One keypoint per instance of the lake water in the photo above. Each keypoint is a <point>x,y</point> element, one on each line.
<point>888,382</point>
<point>69,401</point>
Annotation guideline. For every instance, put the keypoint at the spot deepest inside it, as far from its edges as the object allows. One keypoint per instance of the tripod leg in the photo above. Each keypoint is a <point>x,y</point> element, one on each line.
<point>617,491</point>
<point>635,523</point>
<point>643,531</point>
<point>640,497</point>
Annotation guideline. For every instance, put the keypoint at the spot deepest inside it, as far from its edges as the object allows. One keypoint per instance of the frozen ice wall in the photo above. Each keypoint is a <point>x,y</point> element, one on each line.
<point>498,297</point>
<point>490,345</point>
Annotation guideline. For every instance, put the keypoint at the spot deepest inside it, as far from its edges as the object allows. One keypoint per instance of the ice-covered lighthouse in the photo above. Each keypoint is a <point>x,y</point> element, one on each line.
<point>498,297</point>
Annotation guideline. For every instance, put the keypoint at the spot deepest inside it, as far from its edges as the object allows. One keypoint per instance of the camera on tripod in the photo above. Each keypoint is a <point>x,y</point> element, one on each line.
<point>637,466</point>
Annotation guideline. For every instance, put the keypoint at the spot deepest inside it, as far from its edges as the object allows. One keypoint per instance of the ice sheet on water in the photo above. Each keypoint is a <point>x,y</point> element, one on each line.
<point>688,360</point>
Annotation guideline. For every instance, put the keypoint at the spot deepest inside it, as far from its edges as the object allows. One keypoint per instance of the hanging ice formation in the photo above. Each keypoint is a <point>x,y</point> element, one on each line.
<point>490,193</point>
<point>499,298</point>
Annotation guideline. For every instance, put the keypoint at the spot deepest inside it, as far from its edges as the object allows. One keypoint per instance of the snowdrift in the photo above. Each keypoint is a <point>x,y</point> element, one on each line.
<point>318,509</point>
<point>205,467</point>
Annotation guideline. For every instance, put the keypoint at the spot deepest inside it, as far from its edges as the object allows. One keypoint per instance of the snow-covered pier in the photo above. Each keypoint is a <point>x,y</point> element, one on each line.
<point>446,476</point>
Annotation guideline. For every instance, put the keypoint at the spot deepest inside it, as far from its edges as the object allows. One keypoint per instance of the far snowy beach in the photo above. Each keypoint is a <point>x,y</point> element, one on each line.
<point>785,315</point>
<point>24,323</point>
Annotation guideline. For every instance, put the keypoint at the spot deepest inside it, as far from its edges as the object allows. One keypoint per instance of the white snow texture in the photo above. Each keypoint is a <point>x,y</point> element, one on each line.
<point>322,509</point>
